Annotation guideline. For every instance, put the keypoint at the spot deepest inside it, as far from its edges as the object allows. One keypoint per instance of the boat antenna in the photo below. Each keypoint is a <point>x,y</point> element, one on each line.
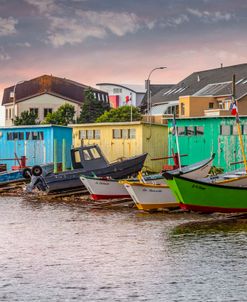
<point>234,111</point>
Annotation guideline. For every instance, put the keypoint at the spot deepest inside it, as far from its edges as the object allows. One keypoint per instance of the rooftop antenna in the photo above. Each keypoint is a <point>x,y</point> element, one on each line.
<point>221,65</point>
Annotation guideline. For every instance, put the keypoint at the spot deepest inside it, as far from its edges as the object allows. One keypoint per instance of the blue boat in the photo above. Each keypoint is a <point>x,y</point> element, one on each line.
<point>22,174</point>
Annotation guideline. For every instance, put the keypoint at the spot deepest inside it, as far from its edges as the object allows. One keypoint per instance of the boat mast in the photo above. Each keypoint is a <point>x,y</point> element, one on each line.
<point>175,129</point>
<point>238,121</point>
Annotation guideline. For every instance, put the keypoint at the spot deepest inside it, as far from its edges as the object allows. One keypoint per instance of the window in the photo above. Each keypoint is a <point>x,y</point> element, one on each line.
<point>221,105</point>
<point>235,130</point>
<point>83,134</point>
<point>190,131</point>
<point>182,109</point>
<point>10,136</point>
<point>77,156</point>
<point>225,130</point>
<point>46,111</point>
<point>15,136</point>
<point>245,129</point>
<point>97,134</point>
<point>117,90</point>
<point>210,105</point>
<point>86,155</point>
<point>117,133</point>
<point>35,135</point>
<point>125,133</point>
<point>199,130</point>
<point>10,113</point>
<point>95,153</point>
<point>132,133</point>
<point>35,111</point>
<point>6,114</point>
<point>181,131</point>
<point>90,134</point>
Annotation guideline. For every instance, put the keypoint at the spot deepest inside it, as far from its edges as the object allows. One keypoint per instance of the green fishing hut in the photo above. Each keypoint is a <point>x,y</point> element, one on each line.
<point>199,137</point>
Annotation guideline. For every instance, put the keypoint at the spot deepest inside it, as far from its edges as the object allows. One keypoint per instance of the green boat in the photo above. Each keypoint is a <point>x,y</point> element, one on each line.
<point>204,197</point>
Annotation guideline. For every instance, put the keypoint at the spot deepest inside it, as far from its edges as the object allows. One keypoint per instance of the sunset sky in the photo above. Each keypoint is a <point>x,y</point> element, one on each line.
<point>92,41</point>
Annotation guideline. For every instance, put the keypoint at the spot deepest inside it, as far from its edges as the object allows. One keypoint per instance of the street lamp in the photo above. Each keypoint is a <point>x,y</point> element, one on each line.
<point>149,105</point>
<point>15,113</point>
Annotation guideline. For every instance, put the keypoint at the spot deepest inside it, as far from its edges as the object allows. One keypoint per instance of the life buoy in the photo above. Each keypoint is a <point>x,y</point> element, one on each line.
<point>36,170</point>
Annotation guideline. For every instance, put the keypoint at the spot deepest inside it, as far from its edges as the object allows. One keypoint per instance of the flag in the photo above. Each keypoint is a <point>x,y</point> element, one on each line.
<point>234,108</point>
<point>127,99</point>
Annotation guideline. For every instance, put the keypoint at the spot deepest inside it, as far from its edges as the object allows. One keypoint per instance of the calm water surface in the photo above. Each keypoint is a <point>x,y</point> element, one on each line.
<point>71,252</point>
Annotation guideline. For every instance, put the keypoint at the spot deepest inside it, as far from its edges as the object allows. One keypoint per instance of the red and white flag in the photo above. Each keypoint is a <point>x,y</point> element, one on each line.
<point>128,98</point>
<point>234,108</point>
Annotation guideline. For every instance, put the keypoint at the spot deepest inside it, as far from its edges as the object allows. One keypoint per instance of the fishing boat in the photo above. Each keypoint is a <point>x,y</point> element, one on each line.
<point>150,196</point>
<point>108,188</point>
<point>89,161</point>
<point>205,197</point>
<point>194,171</point>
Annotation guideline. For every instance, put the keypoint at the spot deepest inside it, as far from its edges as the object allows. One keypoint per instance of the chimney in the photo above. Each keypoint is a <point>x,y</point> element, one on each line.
<point>221,65</point>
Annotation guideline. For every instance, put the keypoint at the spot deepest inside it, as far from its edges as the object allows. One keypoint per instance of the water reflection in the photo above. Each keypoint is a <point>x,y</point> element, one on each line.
<point>64,251</point>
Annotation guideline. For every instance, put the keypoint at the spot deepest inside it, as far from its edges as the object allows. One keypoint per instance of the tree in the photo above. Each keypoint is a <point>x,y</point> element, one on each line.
<point>91,108</point>
<point>121,114</point>
<point>63,116</point>
<point>26,118</point>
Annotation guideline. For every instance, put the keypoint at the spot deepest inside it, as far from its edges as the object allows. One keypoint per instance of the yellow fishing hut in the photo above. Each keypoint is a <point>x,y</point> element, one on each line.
<point>126,139</point>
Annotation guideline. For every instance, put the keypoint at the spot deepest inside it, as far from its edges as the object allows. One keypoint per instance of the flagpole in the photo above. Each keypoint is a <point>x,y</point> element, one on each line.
<point>131,107</point>
<point>238,123</point>
<point>176,137</point>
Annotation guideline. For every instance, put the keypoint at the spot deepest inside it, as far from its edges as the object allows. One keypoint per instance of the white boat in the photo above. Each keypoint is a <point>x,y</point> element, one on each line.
<point>108,188</point>
<point>100,188</point>
<point>151,196</point>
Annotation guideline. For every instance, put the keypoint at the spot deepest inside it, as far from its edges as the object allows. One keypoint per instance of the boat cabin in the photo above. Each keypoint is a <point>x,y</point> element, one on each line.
<point>88,157</point>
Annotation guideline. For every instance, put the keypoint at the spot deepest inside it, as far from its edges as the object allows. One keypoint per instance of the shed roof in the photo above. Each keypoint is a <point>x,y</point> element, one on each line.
<point>62,87</point>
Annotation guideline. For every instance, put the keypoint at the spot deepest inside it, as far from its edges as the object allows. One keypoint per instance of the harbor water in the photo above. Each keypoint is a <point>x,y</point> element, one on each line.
<point>57,251</point>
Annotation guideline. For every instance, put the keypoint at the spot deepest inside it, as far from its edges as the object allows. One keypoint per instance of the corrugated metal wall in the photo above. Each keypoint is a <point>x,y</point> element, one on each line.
<point>198,147</point>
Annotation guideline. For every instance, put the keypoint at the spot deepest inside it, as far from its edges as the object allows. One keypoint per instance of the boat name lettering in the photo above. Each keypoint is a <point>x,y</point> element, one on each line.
<point>102,183</point>
<point>198,187</point>
<point>155,191</point>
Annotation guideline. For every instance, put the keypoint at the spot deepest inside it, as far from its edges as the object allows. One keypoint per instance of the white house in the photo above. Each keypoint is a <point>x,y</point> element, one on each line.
<point>122,94</point>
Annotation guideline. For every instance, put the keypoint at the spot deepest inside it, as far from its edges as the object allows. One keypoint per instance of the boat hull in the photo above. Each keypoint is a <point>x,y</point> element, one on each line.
<point>104,189</point>
<point>70,180</point>
<point>11,176</point>
<point>207,197</point>
<point>151,196</point>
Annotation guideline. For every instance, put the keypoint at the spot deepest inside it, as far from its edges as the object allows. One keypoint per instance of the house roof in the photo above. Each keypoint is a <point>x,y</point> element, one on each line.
<point>197,81</point>
<point>60,87</point>
<point>161,108</point>
<point>157,91</point>
<point>133,87</point>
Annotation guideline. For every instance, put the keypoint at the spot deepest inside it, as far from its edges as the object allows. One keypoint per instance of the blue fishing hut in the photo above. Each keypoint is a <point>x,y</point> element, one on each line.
<point>40,144</point>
